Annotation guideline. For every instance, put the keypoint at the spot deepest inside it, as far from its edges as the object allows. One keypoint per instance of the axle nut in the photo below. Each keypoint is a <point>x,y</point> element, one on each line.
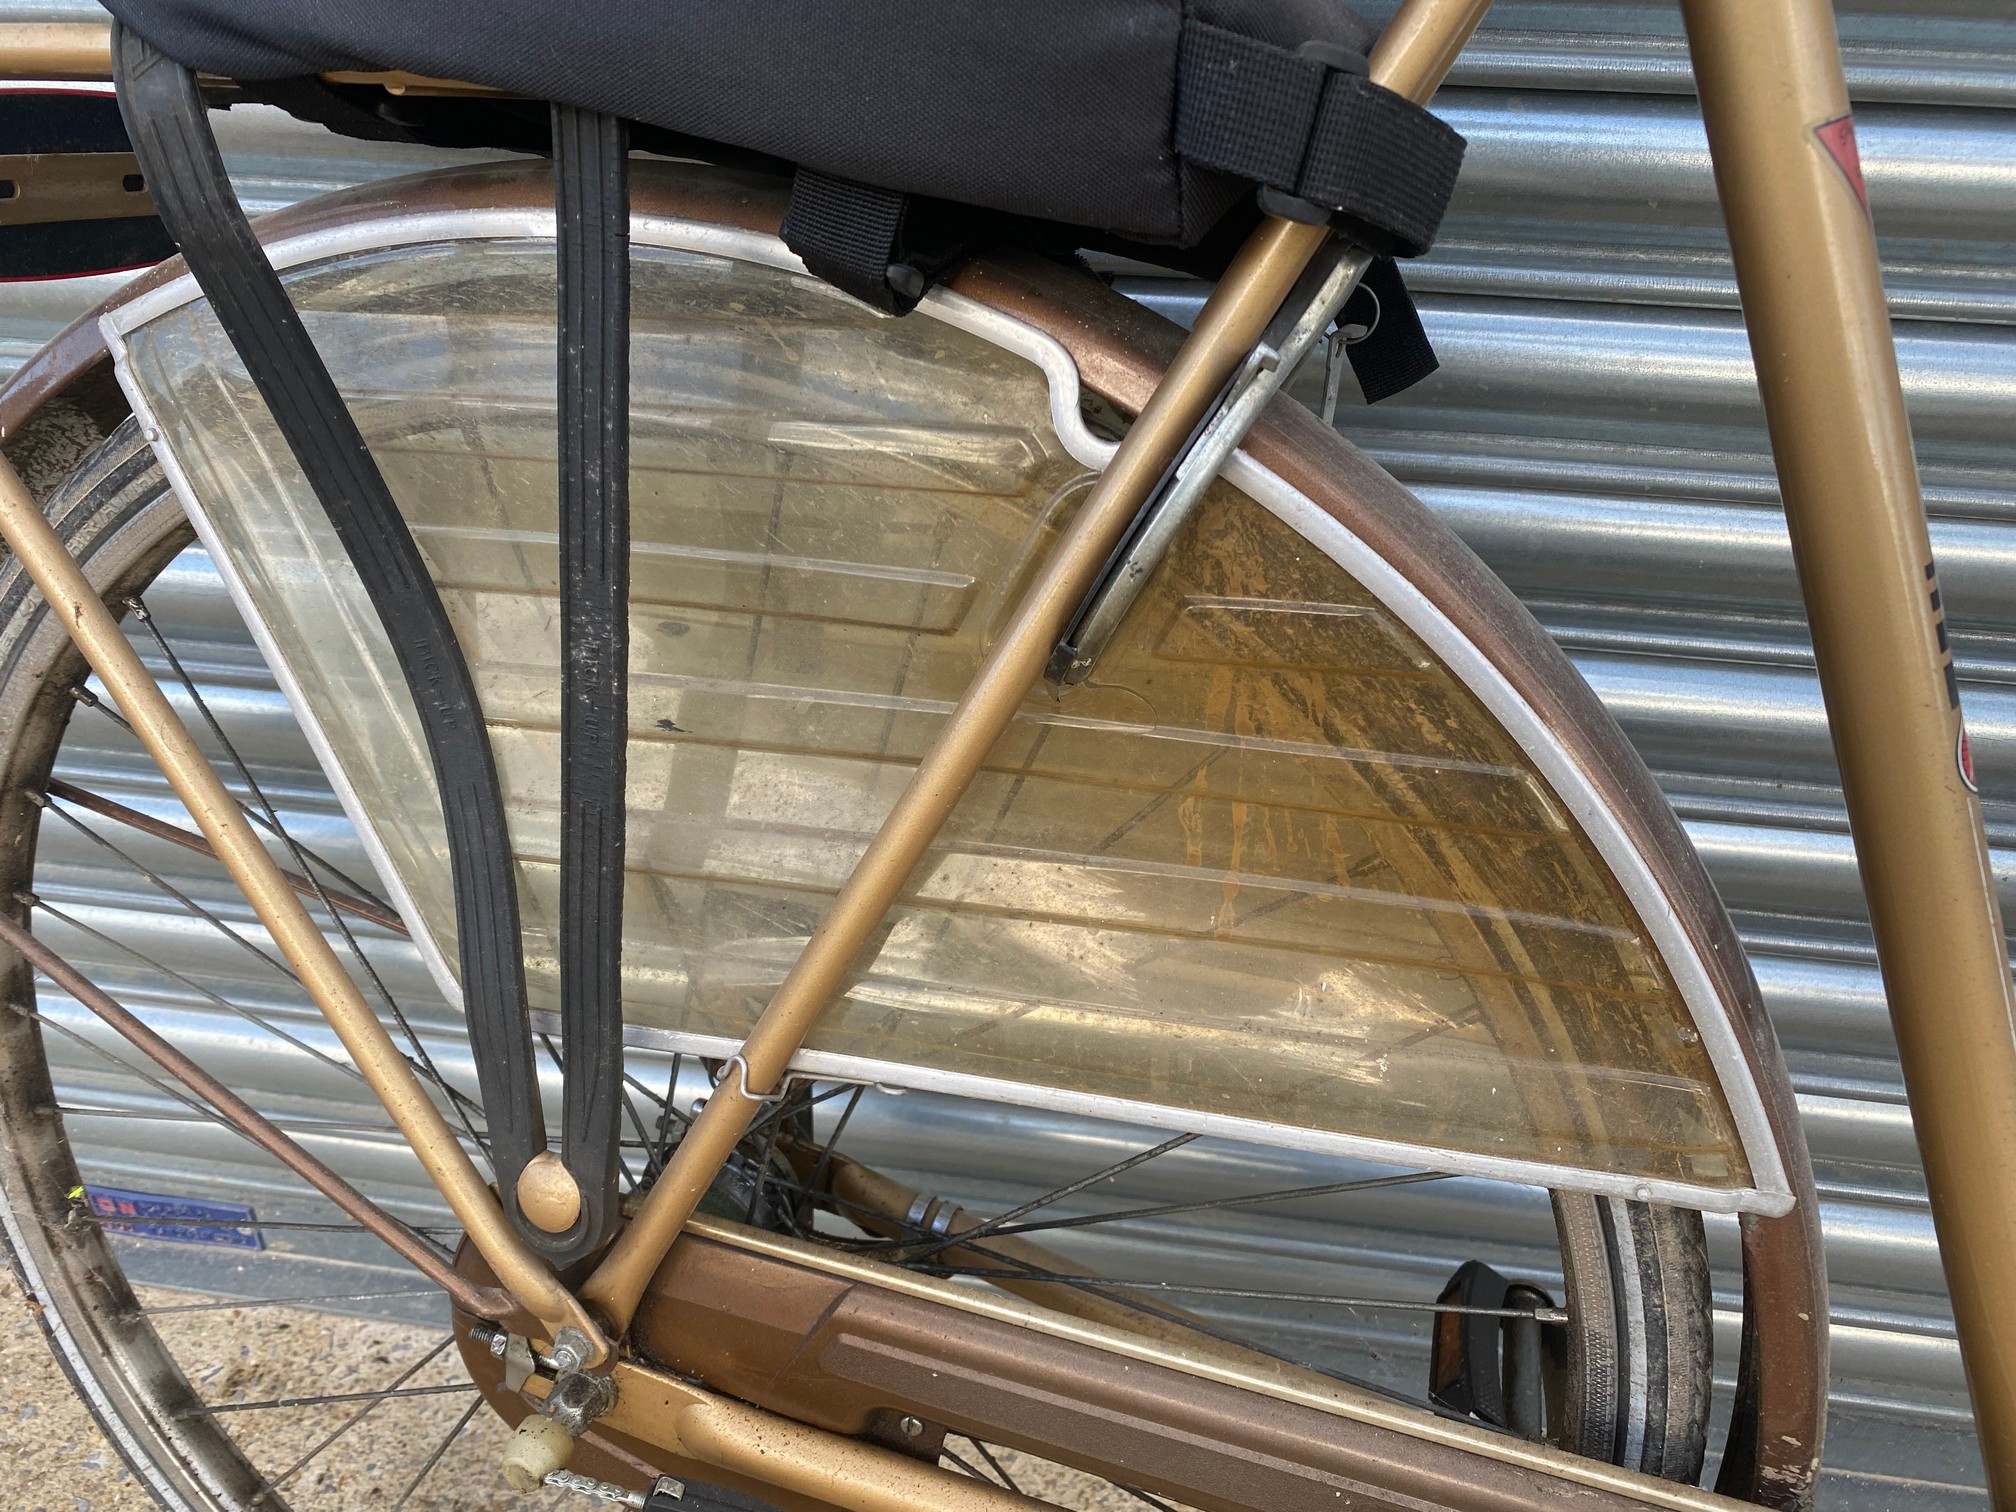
<point>547,1193</point>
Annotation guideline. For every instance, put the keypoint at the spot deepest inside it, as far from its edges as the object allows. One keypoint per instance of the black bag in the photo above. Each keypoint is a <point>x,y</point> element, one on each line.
<point>918,129</point>
<point>1144,118</point>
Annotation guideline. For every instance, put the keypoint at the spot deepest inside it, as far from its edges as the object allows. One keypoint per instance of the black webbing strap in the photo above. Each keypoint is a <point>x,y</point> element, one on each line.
<point>1308,125</point>
<point>591,186</point>
<point>171,134</point>
<point>1395,354</point>
<point>854,236</point>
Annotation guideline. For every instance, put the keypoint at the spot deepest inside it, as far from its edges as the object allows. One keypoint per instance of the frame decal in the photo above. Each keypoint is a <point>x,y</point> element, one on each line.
<point>1838,138</point>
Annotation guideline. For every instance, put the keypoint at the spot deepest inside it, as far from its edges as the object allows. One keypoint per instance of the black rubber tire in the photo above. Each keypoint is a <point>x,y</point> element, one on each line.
<point>1642,1358</point>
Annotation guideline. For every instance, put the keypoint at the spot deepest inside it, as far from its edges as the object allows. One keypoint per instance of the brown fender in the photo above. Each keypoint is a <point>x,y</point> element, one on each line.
<point>1774,1446</point>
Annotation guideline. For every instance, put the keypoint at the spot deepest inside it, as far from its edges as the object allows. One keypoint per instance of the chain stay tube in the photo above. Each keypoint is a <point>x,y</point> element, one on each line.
<point>1426,35</point>
<point>171,134</point>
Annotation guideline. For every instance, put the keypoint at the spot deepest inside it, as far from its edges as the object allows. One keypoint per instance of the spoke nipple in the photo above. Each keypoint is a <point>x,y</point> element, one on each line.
<point>912,1427</point>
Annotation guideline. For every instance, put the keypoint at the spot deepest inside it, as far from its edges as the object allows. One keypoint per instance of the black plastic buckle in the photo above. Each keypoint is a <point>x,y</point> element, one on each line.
<point>1292,206</point>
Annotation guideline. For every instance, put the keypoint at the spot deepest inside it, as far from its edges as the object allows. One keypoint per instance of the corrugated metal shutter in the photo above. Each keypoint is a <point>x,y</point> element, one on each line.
<point>1595,434</point>
<point>1597,437</point>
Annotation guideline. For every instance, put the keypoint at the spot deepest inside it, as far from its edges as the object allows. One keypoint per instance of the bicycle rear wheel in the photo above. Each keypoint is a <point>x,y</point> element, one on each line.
<point>1632,1277</point>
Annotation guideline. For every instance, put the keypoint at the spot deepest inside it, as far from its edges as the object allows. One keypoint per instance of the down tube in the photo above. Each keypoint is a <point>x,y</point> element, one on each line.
<point>1769,74</point>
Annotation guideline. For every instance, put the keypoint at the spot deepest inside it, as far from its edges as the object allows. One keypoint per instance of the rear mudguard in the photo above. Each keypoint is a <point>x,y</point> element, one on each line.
<point>65,397</point>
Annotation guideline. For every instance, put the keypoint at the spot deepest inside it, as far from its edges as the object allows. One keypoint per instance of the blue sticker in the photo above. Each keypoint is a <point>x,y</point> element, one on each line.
<point>178,1220</point>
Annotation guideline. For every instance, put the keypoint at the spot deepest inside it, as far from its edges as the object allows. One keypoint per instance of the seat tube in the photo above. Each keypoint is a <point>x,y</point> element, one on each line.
<point>1776,107</point>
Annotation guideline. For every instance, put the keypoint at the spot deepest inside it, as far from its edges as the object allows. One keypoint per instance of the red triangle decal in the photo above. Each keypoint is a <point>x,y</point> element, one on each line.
<point>1838,137</point>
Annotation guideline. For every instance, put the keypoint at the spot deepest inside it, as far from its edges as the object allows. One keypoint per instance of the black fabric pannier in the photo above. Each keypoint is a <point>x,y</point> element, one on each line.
<point>917,130</point>
<point>1075,111</point>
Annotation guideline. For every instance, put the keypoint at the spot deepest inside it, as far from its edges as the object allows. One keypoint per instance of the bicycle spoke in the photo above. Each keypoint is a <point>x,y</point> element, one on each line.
<point>993,1464</point>
<point>35,901</point>
<point>953,1455</point>
<point>999,1224</point>
<point>189,840</point>
<point>763,1169</point>
<point>1170,790</point>
<point>278,1225</point>
<point>332,1398</point>
<point>833,1142</point>
<point>440,1449</point>
<point>97,705</point>
<point>1143,1497</point>
<point>461,1102</point>
<point>165,1087</point>
<point>182,981</point>
<point>206,1114</point>
<point>1163,1210</point>
<point>784,1110</point>
<point>273,1485</point>
<point>285,1126</point>
<point>249,1303</point>
<point>653,1164</point>
<point>668,1113</point>
<point>50,807</point>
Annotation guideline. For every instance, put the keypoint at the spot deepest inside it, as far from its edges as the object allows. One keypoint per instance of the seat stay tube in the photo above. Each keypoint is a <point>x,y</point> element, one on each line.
<point>1783,142</point>
<point>98,636</point>
<point>1411,58</point>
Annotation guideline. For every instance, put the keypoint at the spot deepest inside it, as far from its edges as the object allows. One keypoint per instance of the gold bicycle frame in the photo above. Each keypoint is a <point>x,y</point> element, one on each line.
<point>1411,58</point>
<point>1776,106</point>
<point>1780,131</point>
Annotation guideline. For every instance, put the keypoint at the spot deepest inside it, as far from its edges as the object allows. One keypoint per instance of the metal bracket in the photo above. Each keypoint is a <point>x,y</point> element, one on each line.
<point>1303,319</point>
<point>665,1492</point>
<point>519,1361</point>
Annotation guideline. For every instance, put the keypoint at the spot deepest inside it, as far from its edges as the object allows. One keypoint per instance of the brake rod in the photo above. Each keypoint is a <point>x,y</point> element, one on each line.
<point>96,632</point>
<point>1411,57</point>
<point>81,52</point>
<point>481,1301</point>
<point>57,50</point>
<point>174,834</point>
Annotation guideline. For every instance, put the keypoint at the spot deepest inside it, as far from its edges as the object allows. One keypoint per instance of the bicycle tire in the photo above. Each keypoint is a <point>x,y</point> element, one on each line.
<point>124,527</point>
